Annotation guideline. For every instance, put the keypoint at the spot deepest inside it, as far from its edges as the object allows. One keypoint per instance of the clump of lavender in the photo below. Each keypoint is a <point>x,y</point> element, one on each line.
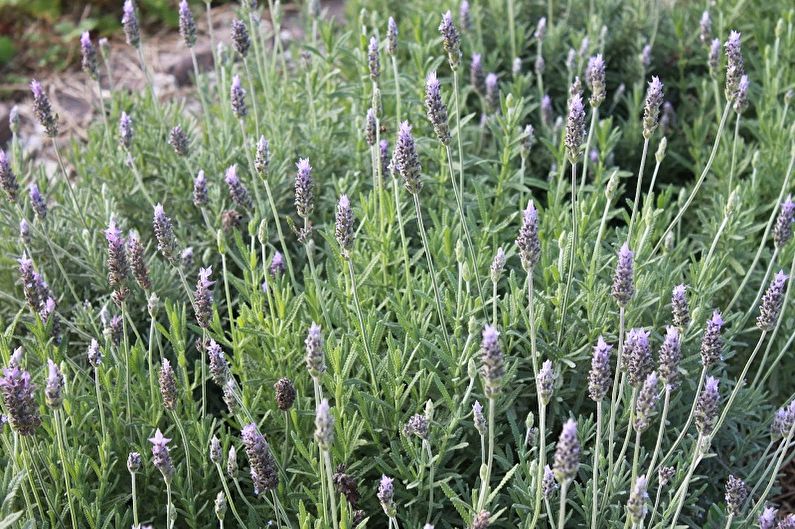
<point>735,67</point>
<point>638,499</point>
<point>37,201</point>
<point>391,37</point>
<point>646,403</point>
<point>713,57</point>
<point>595,77</point>
<point>671,356</point>
<point>679,308</point>
<point>8,180</point>
<point>187,26</point>
<point>168,385</point>
<point>315,358</point>
<point>263,465</point>
<point>262,158</point>
<point>782,231</point>
<point>599,377</point>
<point>129,22</point>
<point>17,390</point>
<point>575,127</point>
<point>548,483</point>
<point>237,98</point>
<point>343,227</point>
<point>386,496</point>
<point>161,458</point>
<point>741,97</point>
<point>240,37</point>
<point>405,161</point>
<point>164,233</point>
<point>623,281</point>
<point>237,190</point>
<point>277,266</point>
<point>285,393</point>
<point>567,453</point>
<point>304,196</point>
<point>651,108</point>
<point>637,358</point>
<point>178,141</point>
<point>204,297</point>
<point>450,40</point>
<point>772,302</point>
<point>118,266</point>
<point>527,241</point>
<point>125,130</point>
<point>89,56</point>
<point>373,61</point>
<point>706,27</point>
<point>138,262</point>
<point>492,362</point>
<point>219,367</point>
<point>706,411</point>
<point>476,76</point>
<point>711,342</point>
<point>545,382</point>
<point>736,493</point>
<point>434,106</point>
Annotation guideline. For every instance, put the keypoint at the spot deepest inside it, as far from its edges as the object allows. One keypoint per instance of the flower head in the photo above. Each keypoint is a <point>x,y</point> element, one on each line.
<point>418,425</point>
<point>240,37</point>
<point>237,97</point>
<point>261,461</point>
<point>203,296</point>
<point>492,92</point>
<point>741,97</point>
<point>623,280</point>
<point>285,393</point>
<point>772,302</point>
<point>386,495</point>
<point>527,241</point>
<point>735,67</point>
<point>713,57</point>
<point>671,356</point>
<point>541,29</point>
<point>575,127</point>
<point>711,342</point>
<point>133,462</point>
<point>679,309</point>
<point>405,161</point>
<point>464,16</point>
<point>138,261</point>
<point>17,391</point>
<point>492,361</point>
<point>315,358</point>
<point>160,455</point>
<point>129,21</point>
<point>706,411</point>
<point>599,376</point>
<point>8,180</point>
<point>219,367</point>
<point>37,201</point>
<point>768,518</point>
<point>476,76</point>
<point>645,403</point>
<point>343,228</point>
<point>451,40</point>
<point>89,56</point>
<point>391,37</point>
<point>187,26</point>
<point>373,61</point>
<point>94,354</point>
<point>637,356</point>
<point>262,157</point>
<point>43,110</point>
<point>479,419</point>
<point>168,385</point>
<point>736,493</point>
<point>545,382</point>
<point>567,453</point>
<point>782,231</point>
<point>53,390</point>
<point>497,265</point>
<point>118,266</point>
<point>434,106</point>
<point>277,266</point>
<point>595,77</point>
<point>370,126</point>
<point>164,233</point>
<point>638,499</point>
<point>178,141</point>
<point>304,197</point>
<point>125,130</point>
<point>651,108</point>
<point>548,483</point>
<point>482,520</point>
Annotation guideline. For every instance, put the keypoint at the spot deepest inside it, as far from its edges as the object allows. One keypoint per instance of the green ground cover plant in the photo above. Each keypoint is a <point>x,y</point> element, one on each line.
<point>500,266</point>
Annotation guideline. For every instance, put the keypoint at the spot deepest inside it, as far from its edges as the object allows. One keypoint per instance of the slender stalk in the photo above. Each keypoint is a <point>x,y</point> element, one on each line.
<point>403,242</point>
<point>229,499</point>
<point>138,179</point>
<point>614,397</point>
<point>656,505</point>
<point>598,244</point>
<point>636,455</point>
<point>638,188</point>
<point>689,421</point>
<point>708,258</point>
<point>682,492</point>
<point>396,77</point>
<point>150,360</point>
<point>365,339</point>
<point>486,483</point>
<point>431,472</point>
<point>100,406</point>
<point>591,128</point>
<point>542,452</point>
<point>572,253</point>
<point>660,431</point>
<point>564,487</point>
<point>101,106</point>
<point>494,300</point>
<point>72,195</point>
<point>276,220</point>
<point>734,150</point>
<point>512,27</point>
<point>134,500</point>
<point>595,480</point>
<point>185,446</point>
<point>59,426</point>
<point>202,99</point>
<point>782,451</point>
<point>309,246</point>
<point>169,507</point>
<point>330,484</point>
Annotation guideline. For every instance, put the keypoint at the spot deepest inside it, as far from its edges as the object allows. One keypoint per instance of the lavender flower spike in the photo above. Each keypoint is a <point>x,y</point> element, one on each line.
<point>767,520</point>
<point>623,280</point>
<point>741,97</point>
<point>219,367</point>
<point>8,180</point>
<point>545,382</point>
<point>736,494</point>
<point>637,356</point>
<point>679,308</point>
<point>599,377</point>
<point>262,159</point>
<point>464,16</point>
<point>89,56</point>
<point>17,390</point>
<point>277,265</point>
<point>263,465</point>
<point>405,161</point>
<point>53,390</point>
<point>125,130</point>
<point>772,302</point>
<point>782,231</point>
<point>575,127</point>
<point>94,354</point>
<point>434,106</point>
<point>315,358</point>
<point>237,190</point>
<point>541,29</point>
<point>129,22</point>
<point>637,504</point>
<point>187,26</point>
<point>548,483</point>
<point>138,262</point>
<point>37,201</point>
<point>595,78</point>
<point>160,456</point>
<point>373,61</point>
<point>200,190</point>
<point>492,361</point>
<point>482,520</point>
<point>164,233</point>
<point>168,385</point>
<point>391,37</point>
<point>204,297</point>
<point>133,462</point>
<point>237,97</point>
<point>370,126</point>
<point>178,141</point>
<point>706,27</point>
<point>492,92</point>
<point>43,110</point>
<point>651,108</point>
<point>735,67</point>
<point>304,197</point>
<point>497,265</point>
<point>527,241</point>
<point>386,496</point>
<point>240,37</point>
<point>451,40</point>
<point>343,228</point>
<point>706,411</point>
<point>711,342</point>
<point>476,76</point>
<point>479,419</point>
<point>646,403</point>
<point>546,110</point>
<point>713,57</point>
<point>285,393</point>
<point>567,453</point>
<point>324,425</point>
<point>671,356</point>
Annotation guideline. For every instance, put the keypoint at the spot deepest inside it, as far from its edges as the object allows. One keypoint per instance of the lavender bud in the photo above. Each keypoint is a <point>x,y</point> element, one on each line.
<point>125,130</point>
<point>240,37</point>
<point>37,202</point>
<point>782,231</point>
<point>114,330</point>
<point>35,288</point>
<point>667,122</point>
<point>595,78</point>
<point>545,382</point>
<point>651,108</point>
<point>736,494</point>
<point>671,356</point>
<point>546,110</point>
<point>386,496</point>
<point>24,231</point>
<point>665,474</point>
<point>713,57</point>
<point>492,92</point>
<point>599,376</point>
<point>482,520</point>
<point>285,393</point>
<point>160,456</point>
<point>373,61</point>
<point>138,262</point>
<point>516,66</point>
<point>567,453</point>
<point>263,465</point>
<point>711,342</point>
<point>417,425</point>
<point>118,267</point>
<point>637,356</point>
<point>646,403</point>
<point>772,302</point>
<point>585,47</point>
<point>94,354</point>
<point>219,367</point>
<point>370,126</point>
<point>541,29</point>
<point>735,67</point>
<point>476,76</point>
<point>706,411</point>
<point>492,361</point>
<point>13,120</point>
<point>527,240</point>
<point>134,462</point>
<point>200,190</point>
<point>343,229</point>
<point>638,498</point>
<point>187,26</point>
<point>168,385</point>
<point>129,22</point>
<point>89,56</point>
<point>237,190</point>
<point>231,462</point>
<point>645,56</point>
<point>8,180</point>
<point>315,358</point>
<point>215,450</point>
<point>437,112</point>
<point>706,28</point>
<point>405,161</point>
<point>164,233</point>
<point>262,158</point>
<point>679,309</point>
<point>548,483</point>
<point>230,396</point>
<point>220,506</point>
<point>571,59</point>
<point>391,37</point>
<point>304,198</point>
<point>277,266</point>
<point>768,518</point>
<point>741,97</point>
<point>575,127</point>
<point>237,97</point>
<point>204,298</point>
<point>528,140</point>
<point>17,390</point>
<point>464,16</point>
<point>383,148</point>
<point>451,40</point>
<point>497,265</point>
<point>788,522</point>
<point>623,281</point>
<point>479,419</point>
<point>324,425</point>
<point>178,141</point>
<point>539,65</point>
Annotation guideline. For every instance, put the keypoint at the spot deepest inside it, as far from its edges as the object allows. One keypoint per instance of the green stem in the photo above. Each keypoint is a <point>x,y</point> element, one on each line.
<point>403,242</point>
<point>595,480</point>
<point>486,483</point>
<point>397,92</point>
<point>134,500</point>
<point>572,253</point>
<point>72,195</point>
<point>638,189</point>
<point>365,340</point>
<point>734,150</point>
<point>185,446</point>
<point>100,405</point>
<point>229,499</point>
<point>330,484</point>
<point>275,213</point>
<point>564,487</point>
<point>59,425</point>
<point>591,128</point>
<point>431,471</point>
<point>660,432</point>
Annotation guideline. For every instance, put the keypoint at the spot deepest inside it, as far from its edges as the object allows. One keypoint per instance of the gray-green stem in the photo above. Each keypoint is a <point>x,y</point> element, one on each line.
<point>360,317</point>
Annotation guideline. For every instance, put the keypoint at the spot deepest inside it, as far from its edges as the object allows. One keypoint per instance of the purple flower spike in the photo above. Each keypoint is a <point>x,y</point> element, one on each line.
<point>735,67</point>
<point>391,37</point>
<point>315,358</point>
<point>679,308</point>
<point>35,288</point>
<point>772,302</point>
<point>277,267</point>
<point>168,385</point>
<point>370,126</point>
<point>237,96</point>
<point>476,76</point>
<point>324,425</point>
<point>94,354</point>
<point>706,411</point>
<point>237,190</point>
<point>53,390</point>
<point>129,22</point>
<point>492,361</point>
<point>386,495</point>
<point>451,40</point>
<point>240,37</point>
<point>204,297</point>
<point>599,376</point>
<point>434,106</point>
<point>118,266</point>
<point>304,197</point>
<point>546,110</point>
<point>671,356</point>
<point>713,57</point>
<point>24,231</point>
<point>492,92</point>
<point>161,458</point>
<point>645,403</point>
<point>637,356</point>
<point>548,483</point>
<point>8,180</point>
<point>741,97</point>
<point>405,161</point>
<point>575,127</point>
<point>89,56</point>
<point>465,16</point>
<point>343,228</point>
<point>706,28</point>
<point>43,110</point>
<point>595,78</point>
<point>263,465</point>
<point>711,342</point>
<point>623,281</point>
<point>125,130</point>
<point>187,26</point>
<point>373,61</point>
<point>638,499</point>
<point>178,141</point>
<point>200,190</point>
<point>541,29</point>
<point>567,453</point>
<point>736,494</point>
<point>497,265</point>
<point>138,262</point>
<point>767,520</point>
<point>545,382</point>
<point>782,232</point>
<point>37,202</point>
<point>164,233</point>
<point>651,108</point>
<point>383,148</point>
<point>219,367</point>
<point>17,390</point>
<point>527,241</point>
<point>645,56</point>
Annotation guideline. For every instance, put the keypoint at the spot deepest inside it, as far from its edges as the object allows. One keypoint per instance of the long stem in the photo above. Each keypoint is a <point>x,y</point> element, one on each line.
<point>185,446</point>
<point>310,246</point>
<point>276,219</point>
<point>689,421</point>
<point>100,406</point>
<point>660,432</point>
<point>431,469</point>
<point>595,480</point>
<point>397,91</point>
<point>138,179</point>
<point>75,203</point>
<point>365,340</point>
<point>614,397</point>
<point>638,188</point>
<point>734,150</point>
<point>431,270</point>
<point>202,100</point>
<point>126,345</point>
<point>682,492</point>
<point>598,244</point>
<point>783,451</point>
<point>330,484</point>
<point>486,484</point>
<point>512,27</point>
<point>169,507</point>
<point>229,499</point>
<point>542,452</point>
<point>591,128</point>
<point>572,253</point>
<point>59,425</point>
<point>253,95</point>
<point>564,487</point>
<point>403,242</point>
<point>134,500</point>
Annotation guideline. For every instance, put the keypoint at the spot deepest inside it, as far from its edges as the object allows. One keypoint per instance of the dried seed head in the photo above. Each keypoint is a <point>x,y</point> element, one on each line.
<point>637,356</point>
<point>623,280</point>
<point>237,190</point>
<point>262,158</point>
<point>187,26</point>
<point>285,393</point>
<point>19,401</point>
<point>405,161</point>
<point>373,60</point>
<point>315,358</point>
<point>671,356</point>
<point>679,308</point>
<point>168,385</point>
<point>476,76</point>
<point>37,201</point>
<point>575,127</point>
<point>89,56</point>
<point>164,233</point>
<point>711,342</point>
<point>736,494</point>
<point>161,457</point>
<point>651,108</point>
<point>545,382</point>
<point>129,22</point>
<point>134,462</point>
<point>492,361</point>
<point>304,197</point>
<point>346,485</point>
<point>638,499</point>
<point>435,108</point>
<point>735,67</point>
<point>386,496</point>
<point>599,377</point>
<point>595,78</point>
<point>527,241</point>
<point>240,37</point>
<point>646,403</point>
<point>263,465</point>
<point>451,40</point>
<point>706,411</point>
<point>8,180</point>
<point>237,98</point>
<point>479,419</point>
<point>343,228</point>
<point>391,37</point>
<point>567,453</point>
<point>772,302</point>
